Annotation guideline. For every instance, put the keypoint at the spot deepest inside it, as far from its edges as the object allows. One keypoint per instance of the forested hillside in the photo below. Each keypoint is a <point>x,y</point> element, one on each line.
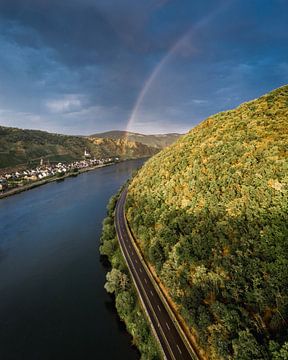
<point>210,215</point>
<point>24,147</point>
<point>159,141</point>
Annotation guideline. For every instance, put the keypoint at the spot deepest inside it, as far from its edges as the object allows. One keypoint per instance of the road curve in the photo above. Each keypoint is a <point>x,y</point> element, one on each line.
<point>173,346</point>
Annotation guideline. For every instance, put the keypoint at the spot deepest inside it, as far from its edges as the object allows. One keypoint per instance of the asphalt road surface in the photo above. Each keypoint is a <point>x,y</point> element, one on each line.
<point>172,344</point>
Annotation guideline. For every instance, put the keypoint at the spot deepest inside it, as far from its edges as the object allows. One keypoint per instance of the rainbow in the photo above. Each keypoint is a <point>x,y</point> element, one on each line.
<point>172,52</point>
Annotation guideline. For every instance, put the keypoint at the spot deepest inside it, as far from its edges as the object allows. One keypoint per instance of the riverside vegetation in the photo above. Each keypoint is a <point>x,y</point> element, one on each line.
<point>210,215</point>
<point>120,284</point>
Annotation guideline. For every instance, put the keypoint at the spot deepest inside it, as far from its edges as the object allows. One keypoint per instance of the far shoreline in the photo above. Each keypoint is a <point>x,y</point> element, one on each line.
<point>47,181</point>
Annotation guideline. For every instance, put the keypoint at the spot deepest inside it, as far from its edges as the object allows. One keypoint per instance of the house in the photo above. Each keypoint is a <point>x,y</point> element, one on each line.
<point>3,184</point>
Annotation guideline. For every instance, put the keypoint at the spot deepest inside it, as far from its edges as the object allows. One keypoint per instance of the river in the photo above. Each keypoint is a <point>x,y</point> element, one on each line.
<point>52,301</point>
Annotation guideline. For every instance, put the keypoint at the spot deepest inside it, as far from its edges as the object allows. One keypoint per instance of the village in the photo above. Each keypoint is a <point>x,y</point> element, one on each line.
<point>45,171</point>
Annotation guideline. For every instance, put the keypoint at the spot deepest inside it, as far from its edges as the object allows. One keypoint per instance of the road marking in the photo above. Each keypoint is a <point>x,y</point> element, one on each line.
<point>135,275</point>
<point>136,261</point>
<point>140,269</point>
<point>159,308</point>
<point>179,349</point>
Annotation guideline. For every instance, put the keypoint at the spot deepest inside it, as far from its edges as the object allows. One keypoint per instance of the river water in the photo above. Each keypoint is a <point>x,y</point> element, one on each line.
<point>52,301</point>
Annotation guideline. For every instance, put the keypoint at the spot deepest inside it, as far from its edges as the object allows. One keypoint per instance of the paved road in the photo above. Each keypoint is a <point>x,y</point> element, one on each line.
<point>170,340</point>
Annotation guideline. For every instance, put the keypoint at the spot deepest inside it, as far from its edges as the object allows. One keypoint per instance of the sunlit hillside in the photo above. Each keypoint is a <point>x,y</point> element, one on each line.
<point>158,141</point>
<point>26,147</point>
<point>210,214</point>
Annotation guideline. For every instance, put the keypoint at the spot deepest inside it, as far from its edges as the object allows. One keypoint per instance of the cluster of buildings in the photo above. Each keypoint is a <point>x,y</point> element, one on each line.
<point>24,177</point>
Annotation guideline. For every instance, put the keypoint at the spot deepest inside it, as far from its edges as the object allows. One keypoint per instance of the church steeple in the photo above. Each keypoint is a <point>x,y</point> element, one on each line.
<point>86,153</point>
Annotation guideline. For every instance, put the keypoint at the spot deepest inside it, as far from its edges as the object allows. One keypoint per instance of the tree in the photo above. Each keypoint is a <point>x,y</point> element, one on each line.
<point>279,354</point>
<point>125,303</point>
<point>247,348</point>
<point>116,281</point>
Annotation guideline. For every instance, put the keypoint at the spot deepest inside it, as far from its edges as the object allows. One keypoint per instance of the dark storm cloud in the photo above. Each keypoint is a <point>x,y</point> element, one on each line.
<point>78,66</point>
<point>80,35</point>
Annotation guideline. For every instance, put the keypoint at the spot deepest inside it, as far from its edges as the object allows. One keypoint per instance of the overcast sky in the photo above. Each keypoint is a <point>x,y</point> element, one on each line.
<point>154,66</point>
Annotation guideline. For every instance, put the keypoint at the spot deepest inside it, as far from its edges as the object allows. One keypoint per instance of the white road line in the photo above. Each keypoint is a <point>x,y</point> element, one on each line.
<point>136,261</point>
<point>128,256</point>
<point>179,349</point>
<point>140,269</point>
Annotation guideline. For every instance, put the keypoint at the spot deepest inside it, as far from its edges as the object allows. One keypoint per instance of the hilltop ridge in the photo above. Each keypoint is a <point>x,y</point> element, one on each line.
<point>26,147</point>
<point>156,140</point>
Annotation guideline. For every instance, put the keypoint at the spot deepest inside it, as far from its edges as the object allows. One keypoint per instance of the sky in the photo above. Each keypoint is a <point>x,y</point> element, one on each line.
<point>149,66</point>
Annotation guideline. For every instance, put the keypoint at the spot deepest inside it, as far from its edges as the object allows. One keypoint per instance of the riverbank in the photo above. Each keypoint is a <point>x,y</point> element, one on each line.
<point>120,284</point>
<point>35,184</point>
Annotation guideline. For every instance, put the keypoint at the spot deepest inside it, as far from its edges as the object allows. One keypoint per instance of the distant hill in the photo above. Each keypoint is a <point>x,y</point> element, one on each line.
<point>211,216</point>
<point>158,141</point>
<point>22,147</point>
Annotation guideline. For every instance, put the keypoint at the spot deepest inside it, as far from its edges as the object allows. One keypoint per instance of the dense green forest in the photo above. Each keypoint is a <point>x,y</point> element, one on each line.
<point>210,215</point>
<point>24,147</point>
<point>120,284</point>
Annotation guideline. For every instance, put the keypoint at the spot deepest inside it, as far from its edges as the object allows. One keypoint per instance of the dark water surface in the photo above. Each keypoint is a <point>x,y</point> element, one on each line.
<point>52,301</point>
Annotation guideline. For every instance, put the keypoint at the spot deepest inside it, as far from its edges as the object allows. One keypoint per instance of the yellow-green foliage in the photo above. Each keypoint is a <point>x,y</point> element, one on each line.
<point>210,213</point>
